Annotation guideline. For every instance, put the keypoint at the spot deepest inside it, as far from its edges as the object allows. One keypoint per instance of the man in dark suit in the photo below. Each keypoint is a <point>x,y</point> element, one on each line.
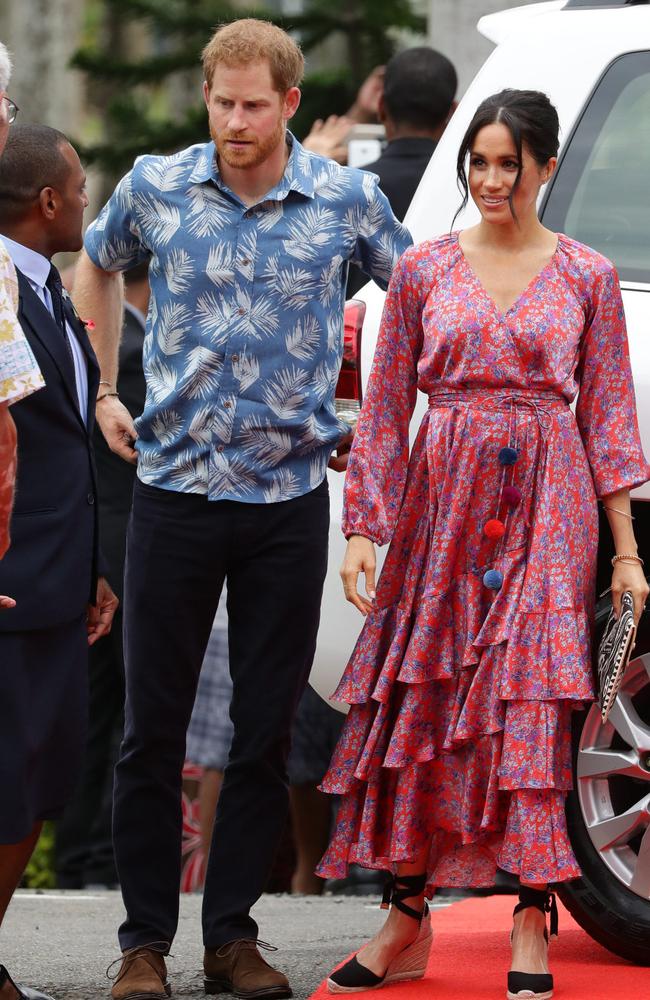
<point>414,108</point>
<point>51,568</point>
<point>84,845</point>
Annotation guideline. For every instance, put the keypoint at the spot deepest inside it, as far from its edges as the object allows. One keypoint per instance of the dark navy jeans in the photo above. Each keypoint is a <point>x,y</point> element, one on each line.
<point>180,548</point>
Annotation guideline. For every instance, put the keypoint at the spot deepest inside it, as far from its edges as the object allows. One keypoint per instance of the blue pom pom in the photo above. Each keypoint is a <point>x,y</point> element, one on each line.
<point>508,456</point>
<point>493,580</point>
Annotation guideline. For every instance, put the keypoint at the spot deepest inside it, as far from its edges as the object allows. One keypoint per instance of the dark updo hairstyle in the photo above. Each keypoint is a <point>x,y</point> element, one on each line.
<point>531,120</point>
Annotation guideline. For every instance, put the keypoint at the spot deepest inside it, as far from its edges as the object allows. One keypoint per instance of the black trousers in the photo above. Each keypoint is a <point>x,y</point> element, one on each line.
<point>180,548</point>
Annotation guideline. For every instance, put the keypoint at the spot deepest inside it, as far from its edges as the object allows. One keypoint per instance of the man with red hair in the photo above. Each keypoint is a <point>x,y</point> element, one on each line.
<point>249,238</point>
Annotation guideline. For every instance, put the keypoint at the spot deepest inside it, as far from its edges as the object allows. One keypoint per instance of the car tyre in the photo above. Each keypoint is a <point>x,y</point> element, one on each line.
<point>602,901</point>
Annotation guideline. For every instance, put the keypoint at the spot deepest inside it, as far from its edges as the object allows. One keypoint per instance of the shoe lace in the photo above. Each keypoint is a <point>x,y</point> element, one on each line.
<point>241,943</point>
<point>129,956</point>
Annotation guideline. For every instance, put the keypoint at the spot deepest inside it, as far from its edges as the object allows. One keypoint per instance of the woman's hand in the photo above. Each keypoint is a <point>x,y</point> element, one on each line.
<point>359,558</point>
<point>629,576</point>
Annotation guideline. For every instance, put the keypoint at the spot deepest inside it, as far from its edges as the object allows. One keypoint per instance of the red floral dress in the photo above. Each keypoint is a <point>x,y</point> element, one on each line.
<point>462,684</point>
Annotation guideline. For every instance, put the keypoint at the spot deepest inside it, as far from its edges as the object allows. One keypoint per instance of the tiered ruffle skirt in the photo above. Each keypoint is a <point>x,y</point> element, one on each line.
<point>457,745</point>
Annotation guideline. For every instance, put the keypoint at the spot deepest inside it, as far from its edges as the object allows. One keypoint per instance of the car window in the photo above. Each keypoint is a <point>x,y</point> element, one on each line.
<point>601,192</point>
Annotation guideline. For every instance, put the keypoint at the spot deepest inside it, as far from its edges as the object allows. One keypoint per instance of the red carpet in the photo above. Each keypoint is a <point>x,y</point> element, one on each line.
<point>470,954</point>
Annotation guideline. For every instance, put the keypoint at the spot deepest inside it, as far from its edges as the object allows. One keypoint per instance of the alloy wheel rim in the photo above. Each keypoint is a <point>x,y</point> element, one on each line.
<point>613,786</point>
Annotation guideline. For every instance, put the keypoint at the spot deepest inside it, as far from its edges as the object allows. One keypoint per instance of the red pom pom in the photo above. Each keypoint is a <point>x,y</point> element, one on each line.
<point>494,529</point>
<point>511,495</point>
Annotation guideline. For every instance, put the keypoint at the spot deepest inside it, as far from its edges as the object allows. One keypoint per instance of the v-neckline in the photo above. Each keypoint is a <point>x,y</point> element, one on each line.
<point>503,314</point>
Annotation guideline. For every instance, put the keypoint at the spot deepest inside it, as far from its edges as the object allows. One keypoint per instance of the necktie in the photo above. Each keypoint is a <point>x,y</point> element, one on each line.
<point>55,286</point>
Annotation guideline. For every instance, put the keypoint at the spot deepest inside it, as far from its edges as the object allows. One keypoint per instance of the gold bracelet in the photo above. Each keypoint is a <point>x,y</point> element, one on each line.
<point>105,394</point>
<point>623,512</point>
<point>628,557</point>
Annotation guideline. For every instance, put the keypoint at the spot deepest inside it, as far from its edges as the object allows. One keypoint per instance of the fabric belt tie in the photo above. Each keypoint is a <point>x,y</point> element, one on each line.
<point>541,403</point>
<point>536,399</point>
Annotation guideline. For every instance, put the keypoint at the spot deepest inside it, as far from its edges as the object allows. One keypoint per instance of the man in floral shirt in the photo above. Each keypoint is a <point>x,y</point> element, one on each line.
<point>248,239</point>
<point>19,373</point>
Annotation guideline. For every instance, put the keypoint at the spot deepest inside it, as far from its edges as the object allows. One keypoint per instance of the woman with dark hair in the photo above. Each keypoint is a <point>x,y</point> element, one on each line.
<point>456,754</point>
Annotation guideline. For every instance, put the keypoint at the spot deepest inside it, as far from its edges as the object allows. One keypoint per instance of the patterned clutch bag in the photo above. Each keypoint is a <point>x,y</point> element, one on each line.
<point>614,652</point>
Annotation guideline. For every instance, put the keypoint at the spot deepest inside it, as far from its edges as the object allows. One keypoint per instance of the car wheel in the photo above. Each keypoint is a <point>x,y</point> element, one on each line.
<point>608,816</point>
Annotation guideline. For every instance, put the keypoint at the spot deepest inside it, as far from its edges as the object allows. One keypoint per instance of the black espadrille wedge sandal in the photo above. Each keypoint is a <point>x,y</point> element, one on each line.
<point>411,963</point>
<point>22,992</point>
<point>526,985</point>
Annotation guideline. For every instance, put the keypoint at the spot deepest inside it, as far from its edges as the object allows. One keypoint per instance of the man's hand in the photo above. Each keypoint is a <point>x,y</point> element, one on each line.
<point>329,137</point>
<point>366,104</point>
<point>117,427</point>
<point>100,615</point>
<point>6,603</point>
<point>339,462</point>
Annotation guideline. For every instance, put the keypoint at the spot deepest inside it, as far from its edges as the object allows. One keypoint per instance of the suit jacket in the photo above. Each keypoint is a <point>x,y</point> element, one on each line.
<point>115,476</point>
<point>51,566</point>
<point>399,168</point>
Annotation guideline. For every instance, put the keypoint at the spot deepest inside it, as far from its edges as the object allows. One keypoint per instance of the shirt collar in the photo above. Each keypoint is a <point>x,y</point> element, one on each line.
<point>297,175</point>
<point>205,168</point>
<point>295,178</point>
<point>33,265</point>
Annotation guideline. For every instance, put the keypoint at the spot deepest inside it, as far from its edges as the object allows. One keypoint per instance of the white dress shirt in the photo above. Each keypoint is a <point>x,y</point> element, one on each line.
<point>36,269</point>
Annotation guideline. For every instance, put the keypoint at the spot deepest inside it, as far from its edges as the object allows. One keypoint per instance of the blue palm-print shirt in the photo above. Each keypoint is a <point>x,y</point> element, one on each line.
<point>245,326</point>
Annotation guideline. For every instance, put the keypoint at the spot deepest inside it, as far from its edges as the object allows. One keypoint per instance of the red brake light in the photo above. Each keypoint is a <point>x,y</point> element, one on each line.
<point>348,388</point>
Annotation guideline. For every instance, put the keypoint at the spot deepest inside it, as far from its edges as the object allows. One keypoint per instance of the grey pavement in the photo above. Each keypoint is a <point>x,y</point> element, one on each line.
<point>63,942</point>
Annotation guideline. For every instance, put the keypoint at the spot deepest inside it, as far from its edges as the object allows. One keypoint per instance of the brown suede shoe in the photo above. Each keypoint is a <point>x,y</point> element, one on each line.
<point>142,976</point>
<point>239,968</point>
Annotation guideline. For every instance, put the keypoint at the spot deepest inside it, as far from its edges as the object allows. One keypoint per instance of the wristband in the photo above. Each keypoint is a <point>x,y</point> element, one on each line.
<point>627,557</point>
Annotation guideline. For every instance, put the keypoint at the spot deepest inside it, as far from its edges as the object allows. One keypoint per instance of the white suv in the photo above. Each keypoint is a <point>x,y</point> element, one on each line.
<point>593,60</point>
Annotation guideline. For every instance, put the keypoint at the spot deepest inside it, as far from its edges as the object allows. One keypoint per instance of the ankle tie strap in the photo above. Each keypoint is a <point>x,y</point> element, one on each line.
<point>541,899</point>
<point>400,887</point>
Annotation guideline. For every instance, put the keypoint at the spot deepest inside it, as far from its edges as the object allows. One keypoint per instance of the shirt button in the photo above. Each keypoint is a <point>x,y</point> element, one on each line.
<point>220,447</point>
<point>227,404</point>
<point>245,261</point>
<point>234,358</point>
<point>241,311</point>
<point>91,498</point>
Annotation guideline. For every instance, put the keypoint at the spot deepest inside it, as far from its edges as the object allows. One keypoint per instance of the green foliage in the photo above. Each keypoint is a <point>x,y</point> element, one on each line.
<point>129,90</point>
<point>39,873</point>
